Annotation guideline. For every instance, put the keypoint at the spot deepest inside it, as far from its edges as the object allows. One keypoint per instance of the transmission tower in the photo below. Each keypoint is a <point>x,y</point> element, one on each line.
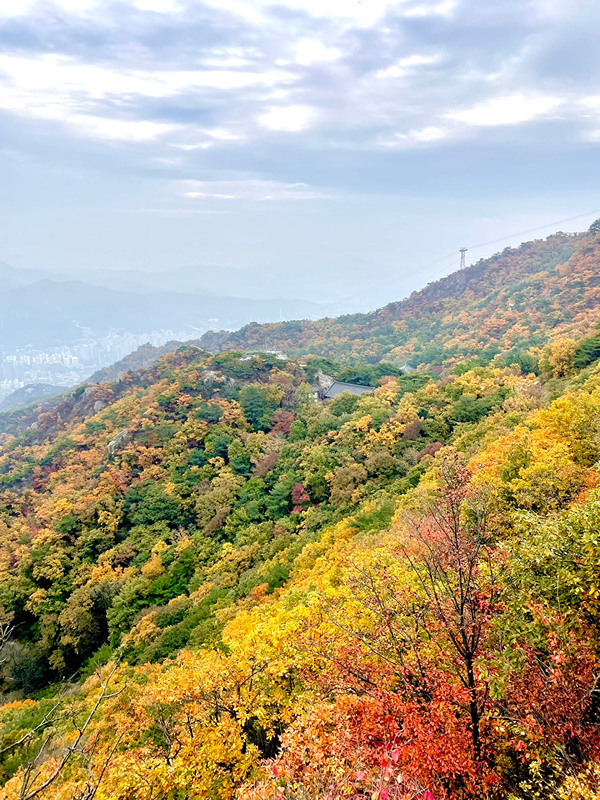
<point>463,250</point>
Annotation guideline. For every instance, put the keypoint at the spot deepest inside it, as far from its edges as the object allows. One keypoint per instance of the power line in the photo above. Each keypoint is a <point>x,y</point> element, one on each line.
<point>395,278</point>
<point>533,230</point>
<point>418,270</point>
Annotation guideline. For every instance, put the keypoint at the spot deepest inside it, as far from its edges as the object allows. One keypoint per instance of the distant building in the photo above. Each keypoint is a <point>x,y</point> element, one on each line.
<point>338,387</point>
<point>326,387</point>
<point>277,353</point>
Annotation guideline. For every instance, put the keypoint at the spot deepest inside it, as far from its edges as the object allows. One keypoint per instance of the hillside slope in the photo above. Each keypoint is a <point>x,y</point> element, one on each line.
<point>513,300</point>
<point>33,393</point>
<point>218,448</point>
<point>214,586</point>
<point>144,357</point>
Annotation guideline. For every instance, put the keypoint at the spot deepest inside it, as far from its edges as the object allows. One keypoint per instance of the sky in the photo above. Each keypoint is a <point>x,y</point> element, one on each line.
<point>341,143</point>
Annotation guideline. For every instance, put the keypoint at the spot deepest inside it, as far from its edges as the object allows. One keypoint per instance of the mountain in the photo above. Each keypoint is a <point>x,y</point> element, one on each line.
<point>213,585</point>
<point>210,281</point>
<point>142,358</point>
<point>12,277</point>
<point>32,393</point>
<point>509,302</point>
<point>207,280</point>
<point>48,312</point>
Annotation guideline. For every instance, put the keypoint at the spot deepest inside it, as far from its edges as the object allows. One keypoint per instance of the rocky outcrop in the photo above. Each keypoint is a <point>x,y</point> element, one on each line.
<point>120,440</point>
<point>322,383</point>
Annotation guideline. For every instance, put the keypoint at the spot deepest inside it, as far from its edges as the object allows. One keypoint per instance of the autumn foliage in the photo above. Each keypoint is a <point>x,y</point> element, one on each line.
<point>507,304</point>
<point>214,586</point>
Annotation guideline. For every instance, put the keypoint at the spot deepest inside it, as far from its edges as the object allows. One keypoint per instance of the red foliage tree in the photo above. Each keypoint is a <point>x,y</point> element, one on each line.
<point>299,496</point>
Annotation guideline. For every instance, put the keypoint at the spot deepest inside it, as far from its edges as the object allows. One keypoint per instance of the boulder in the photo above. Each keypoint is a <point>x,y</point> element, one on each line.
<point>120,440</point>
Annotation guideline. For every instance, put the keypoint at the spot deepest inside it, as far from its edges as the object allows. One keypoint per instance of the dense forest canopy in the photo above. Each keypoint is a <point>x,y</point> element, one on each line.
<point>214,585</point>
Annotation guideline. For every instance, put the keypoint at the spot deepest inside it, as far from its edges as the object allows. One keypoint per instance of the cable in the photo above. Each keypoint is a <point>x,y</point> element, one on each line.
<point>393,279</point>
<point>533,230</point>
<point>416,271</point>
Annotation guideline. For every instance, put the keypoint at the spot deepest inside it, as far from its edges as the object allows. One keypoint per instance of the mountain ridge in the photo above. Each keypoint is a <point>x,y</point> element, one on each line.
<point>47,310</point>
<point>197,279</point>
<point>447,313</point>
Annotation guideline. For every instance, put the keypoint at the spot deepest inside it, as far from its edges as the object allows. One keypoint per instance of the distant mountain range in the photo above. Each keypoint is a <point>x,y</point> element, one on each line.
<point>201,279</point>
<point>41,309</point>
<point>209,281</point>
<point>325,279</point>
<point>27,395</point>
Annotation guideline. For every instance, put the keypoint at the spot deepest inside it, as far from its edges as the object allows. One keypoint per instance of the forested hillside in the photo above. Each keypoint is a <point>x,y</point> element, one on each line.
<point>214,586</point>
<point>505,304</point>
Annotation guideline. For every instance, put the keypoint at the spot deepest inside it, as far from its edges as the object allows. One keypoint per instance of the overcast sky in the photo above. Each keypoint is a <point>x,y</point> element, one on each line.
<point>309,137</point>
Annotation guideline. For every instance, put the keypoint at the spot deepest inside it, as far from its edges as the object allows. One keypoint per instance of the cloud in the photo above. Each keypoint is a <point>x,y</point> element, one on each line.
<point>424,136</point>
<point>19,8</point>
<point>556,10</point>
<point>591,113</point>
<point>405,66</point>
<point>209,138</point>
<point>431,9</point>
<point>247,189</point>
<point>101,101</point>
<point>361,12</point>
<point>173,212</point>
<point>509,110</point>
<point>124,130</point>
<point>311,51</point>
<point>216,87</point>
<point>158,6</point>
<point>389,107</point>
<point>68,76</point>
<point>288,118</point>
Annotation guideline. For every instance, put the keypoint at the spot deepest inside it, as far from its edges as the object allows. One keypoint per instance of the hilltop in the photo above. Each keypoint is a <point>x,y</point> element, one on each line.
<point>508,303</point>
<point>30,394</point>
<point>140,359</point>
